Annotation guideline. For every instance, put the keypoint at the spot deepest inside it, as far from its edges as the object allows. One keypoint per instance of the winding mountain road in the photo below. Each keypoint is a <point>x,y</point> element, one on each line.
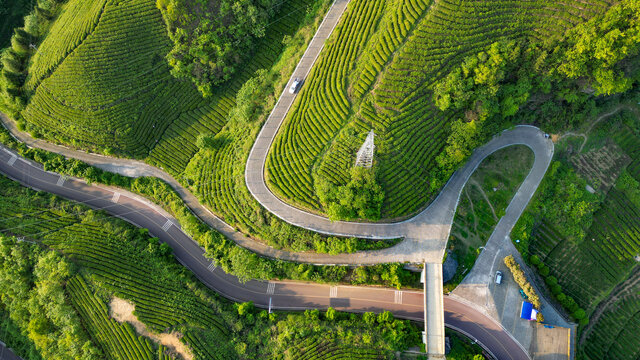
<point>424,236</point>
<point>283,295</point>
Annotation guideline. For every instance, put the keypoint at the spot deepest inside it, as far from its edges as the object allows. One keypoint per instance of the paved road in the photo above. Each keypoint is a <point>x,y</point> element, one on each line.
<point>6,354</point>
<point>284,295</point>
<point>425,235</point>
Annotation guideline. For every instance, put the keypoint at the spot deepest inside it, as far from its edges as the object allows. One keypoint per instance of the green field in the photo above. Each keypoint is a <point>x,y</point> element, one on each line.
<point>131,106</point>
<point>100,83</point>
<point>79,260</point>
<point>600,269</point>
<point>377,72</point>
<point>483,202</point>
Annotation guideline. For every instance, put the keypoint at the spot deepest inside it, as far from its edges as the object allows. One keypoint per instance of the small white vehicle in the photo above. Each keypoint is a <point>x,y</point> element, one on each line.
<point>295,86</point>
<point>498,277</point>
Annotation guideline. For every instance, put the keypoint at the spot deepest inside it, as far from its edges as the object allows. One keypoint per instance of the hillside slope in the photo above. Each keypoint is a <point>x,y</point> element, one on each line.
<point>378,72</point>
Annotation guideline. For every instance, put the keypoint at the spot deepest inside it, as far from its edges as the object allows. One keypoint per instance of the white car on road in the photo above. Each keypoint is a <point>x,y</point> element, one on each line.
<point>295,86</point>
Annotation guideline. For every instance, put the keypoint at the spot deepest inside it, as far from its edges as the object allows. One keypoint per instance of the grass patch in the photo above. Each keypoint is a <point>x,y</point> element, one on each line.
<point>483,202</point>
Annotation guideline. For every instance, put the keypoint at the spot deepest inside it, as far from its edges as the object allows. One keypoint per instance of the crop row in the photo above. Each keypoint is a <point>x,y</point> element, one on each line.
<point>118,341</point>
<point>631,145</point>
<point>176,147</point>
<point>414,132</point>
<point>450,31</point>
<point>313,349</point>
<point>159,303</point>
<point>114,90</point>
<point>77,20</point>
<point>615,335</point>
<point>588,270</point>
<point>322,107</point>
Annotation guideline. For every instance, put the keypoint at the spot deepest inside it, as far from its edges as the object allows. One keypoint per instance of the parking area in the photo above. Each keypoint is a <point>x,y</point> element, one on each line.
<point>502,302</point>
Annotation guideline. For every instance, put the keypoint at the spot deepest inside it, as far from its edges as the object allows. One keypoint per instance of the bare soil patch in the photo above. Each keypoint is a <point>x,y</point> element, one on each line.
<point>122,311</point>
<point>602,166</point>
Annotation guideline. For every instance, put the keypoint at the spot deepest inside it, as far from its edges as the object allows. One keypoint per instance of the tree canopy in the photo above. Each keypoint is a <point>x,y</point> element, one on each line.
<point>211,38</point>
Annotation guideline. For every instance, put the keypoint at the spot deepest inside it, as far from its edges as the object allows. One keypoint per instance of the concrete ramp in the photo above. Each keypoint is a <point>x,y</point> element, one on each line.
<point>434,311</point>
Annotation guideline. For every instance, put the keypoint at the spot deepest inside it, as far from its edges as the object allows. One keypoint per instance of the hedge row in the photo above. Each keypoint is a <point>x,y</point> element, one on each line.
<point>522,281</point>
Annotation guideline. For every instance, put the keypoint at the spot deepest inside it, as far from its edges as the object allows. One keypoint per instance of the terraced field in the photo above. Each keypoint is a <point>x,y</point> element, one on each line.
<point>615,334</point>
<point>312,348</point>
<point>110,333</point>
<point>601,273</point>
<point>376,72</point>
<point>589,270</point>
<point>107,86</point>
<point>113,93</point>
<point>113,259</point>
<point>100,81</point>
<point>116,262</point>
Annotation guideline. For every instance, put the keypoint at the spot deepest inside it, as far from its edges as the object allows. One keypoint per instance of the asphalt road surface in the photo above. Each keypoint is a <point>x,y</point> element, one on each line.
<point>6,354</point>
<point>282,295</point>
<point>424,235</point>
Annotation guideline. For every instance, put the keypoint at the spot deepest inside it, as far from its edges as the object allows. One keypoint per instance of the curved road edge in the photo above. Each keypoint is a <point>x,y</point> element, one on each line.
<point>284,295</point>
<point>6,353</point>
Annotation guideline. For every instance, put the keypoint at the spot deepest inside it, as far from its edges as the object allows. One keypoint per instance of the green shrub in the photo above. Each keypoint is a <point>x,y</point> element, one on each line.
<point>579,314</point>
<point>535,260</point>
<point>210,43</point>
<point>544,270</point>
<point>551,280</point>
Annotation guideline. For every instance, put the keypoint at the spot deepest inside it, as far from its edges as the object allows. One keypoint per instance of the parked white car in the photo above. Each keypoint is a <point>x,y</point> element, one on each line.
<point>498,277</point>
<point>295,86</point>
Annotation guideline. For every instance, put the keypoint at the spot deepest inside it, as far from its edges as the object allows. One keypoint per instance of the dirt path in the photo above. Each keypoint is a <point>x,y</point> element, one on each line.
<point>122,310</point>
<point>475,218</point>
<point>486,198</point>
<point>584,135</point>
<point>619,292</point>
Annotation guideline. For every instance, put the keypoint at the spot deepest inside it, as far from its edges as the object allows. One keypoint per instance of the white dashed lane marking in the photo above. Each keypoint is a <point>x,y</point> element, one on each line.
<point>333,292</point>
<point>167,225</point>
<point>271,288</point>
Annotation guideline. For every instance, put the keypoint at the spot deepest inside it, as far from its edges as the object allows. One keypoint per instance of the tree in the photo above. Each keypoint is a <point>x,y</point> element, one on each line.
<point>579,314</point>
<point>385,317</point>
<point>596,49</point>
<point>369,318</point>
<point>313,315</point>
<point>244,308</point>
<point>361,197</point>
<point>535,260</point>
<point>331,313</point>
<point>210,43</point>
